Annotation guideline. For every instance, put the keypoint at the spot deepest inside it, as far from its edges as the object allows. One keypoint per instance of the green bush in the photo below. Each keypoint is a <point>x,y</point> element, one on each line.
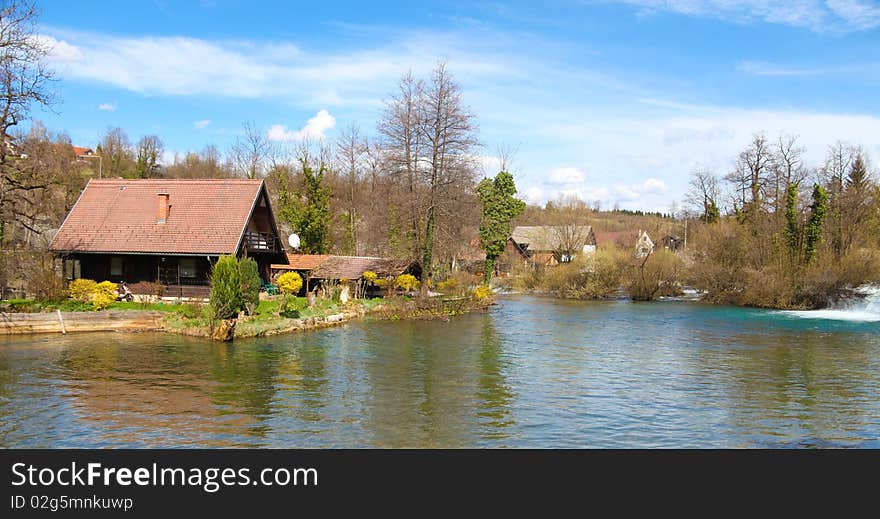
<point>250,284</point>
<point>226,298</point>
<point>659,274</point>
<point>591,276</point>
<point>291,306</point>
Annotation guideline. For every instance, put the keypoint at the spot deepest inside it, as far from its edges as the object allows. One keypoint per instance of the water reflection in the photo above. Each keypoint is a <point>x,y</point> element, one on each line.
<point>532,373</point>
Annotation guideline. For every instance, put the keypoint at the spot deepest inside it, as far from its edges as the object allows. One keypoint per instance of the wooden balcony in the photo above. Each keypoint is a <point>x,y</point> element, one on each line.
<point>261,242</point>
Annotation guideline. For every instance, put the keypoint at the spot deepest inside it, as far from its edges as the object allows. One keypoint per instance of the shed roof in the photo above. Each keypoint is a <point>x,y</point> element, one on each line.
<point>353,267</point>
<point>302,261</point>
<point>547,237</point>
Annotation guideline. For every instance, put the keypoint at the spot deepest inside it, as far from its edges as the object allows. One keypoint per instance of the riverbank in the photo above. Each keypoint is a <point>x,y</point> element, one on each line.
<point>194,320</point>
<point>532,373</point>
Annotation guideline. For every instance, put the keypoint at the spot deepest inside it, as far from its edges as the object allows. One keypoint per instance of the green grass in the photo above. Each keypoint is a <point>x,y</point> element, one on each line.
<point>69,305</point>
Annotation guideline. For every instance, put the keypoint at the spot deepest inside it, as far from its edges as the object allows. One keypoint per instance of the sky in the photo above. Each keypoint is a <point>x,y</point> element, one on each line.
<point>614,102</point>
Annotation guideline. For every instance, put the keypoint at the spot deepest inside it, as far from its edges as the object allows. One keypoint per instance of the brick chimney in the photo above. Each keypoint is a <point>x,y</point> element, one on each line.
<point>163,207</point>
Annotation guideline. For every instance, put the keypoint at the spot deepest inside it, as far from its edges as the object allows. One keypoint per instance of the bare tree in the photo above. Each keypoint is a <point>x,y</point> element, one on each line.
<point>403,145</point>
<point>250,151</point>
<point>149,152</point>
<point>704,193</point>
<point>24,82</point>
<point>351,149</point>
<point>838,162</point>
<point>117,152</point>
<point>506,155</point>
<point>450,135</point>
<point>24,74</point>
<point>787,169</point>
<point>754,161</point>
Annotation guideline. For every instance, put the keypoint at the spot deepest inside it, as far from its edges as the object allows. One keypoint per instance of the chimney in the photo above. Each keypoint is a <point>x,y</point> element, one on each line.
<point>163,206</point>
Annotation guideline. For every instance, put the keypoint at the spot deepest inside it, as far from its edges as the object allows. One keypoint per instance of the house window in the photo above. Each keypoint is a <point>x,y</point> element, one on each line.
<point>72,269</point>
<point>187,267</point>
<point>116,266</point>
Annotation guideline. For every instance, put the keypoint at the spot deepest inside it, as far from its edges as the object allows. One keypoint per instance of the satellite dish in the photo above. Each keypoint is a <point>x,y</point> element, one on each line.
<point>293,241</point>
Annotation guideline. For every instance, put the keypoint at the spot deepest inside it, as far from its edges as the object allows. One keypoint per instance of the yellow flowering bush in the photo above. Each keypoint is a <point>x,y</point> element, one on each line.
<point>447,285</point>
<point>370,277</point>
<point>289,283</point>
<point>82,289</point>
<point>406,282</point>
<point>104,295</point>
<point>482,292</point>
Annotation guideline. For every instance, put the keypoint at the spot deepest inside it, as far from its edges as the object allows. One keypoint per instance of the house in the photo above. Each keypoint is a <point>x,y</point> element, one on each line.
<point>616,239</point>
<point>317,269</point>
<point>548,245</point>
<point>671,242</point>
<point>645,246</point>
<point>81,151</point>
<point>167,231</point>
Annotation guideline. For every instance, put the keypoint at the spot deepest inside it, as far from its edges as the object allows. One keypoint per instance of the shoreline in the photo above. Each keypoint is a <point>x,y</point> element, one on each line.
<point>141,321</point>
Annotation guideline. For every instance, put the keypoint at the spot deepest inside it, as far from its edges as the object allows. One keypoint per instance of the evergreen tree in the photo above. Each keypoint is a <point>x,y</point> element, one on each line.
<point>857,178</point>
<point>499,208</point>
<point>792,229</point>
<point>226,288</point>
<point>310,217</point>
<point>818,211</point>
<point>250,284</point>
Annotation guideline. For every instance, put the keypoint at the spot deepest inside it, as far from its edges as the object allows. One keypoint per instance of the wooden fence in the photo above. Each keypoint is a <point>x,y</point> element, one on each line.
<point>69,322</point>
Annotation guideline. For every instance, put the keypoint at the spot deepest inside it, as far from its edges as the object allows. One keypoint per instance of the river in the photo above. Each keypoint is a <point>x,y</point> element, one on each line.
<point>531,372</point>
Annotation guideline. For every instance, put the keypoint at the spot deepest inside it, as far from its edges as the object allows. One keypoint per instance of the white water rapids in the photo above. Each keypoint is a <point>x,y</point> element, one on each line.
<point>866,309</point>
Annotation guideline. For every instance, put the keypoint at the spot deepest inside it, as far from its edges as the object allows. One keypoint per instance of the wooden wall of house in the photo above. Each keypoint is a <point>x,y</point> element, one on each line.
<point>136,268</point>
<point>260,219</point>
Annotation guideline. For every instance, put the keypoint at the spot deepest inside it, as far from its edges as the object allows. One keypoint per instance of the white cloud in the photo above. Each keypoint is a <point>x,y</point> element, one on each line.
<point>314,129</point>
<point>652,185</point>
<point>202,123</point>
<point>60,50</point>
<point>861,14</point>
<point>107,107</point>
<point>566,175</point>
<point>186,66</point>
<point>664,147</point>
<point>816,15</point>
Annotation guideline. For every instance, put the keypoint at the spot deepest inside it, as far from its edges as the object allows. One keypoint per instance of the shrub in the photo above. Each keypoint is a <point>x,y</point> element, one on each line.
<point>370,277</point>
<point>656,275</point>
<point>482,293</point>
<point>406,282</point>
<point>447,286</point>
<point>104,295</point>
<point>146,292</point>
<point>291,306</point>
<point>289,283</point>
<point>226,288</point>
<point>250,284</point>
<point>82,289</point>
<point>593,276</point>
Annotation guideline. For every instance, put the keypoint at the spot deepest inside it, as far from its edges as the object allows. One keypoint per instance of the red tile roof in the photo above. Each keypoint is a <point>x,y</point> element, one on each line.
<point>79,150</point>
<point>205,217</point>
<point>617,238</point>
<point>301,261</point>
<point>342,267</point>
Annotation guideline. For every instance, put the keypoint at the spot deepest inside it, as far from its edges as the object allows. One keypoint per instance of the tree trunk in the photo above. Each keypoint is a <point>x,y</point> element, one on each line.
<point>225,330</point>
<point>489,269</point>
<point>428,254</point>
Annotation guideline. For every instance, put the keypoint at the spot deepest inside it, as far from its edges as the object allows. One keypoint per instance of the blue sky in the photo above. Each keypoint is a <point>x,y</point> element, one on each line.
<point>615,101</point>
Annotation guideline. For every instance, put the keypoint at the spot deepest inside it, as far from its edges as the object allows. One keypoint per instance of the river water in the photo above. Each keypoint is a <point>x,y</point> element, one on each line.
<point>531,372</point>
